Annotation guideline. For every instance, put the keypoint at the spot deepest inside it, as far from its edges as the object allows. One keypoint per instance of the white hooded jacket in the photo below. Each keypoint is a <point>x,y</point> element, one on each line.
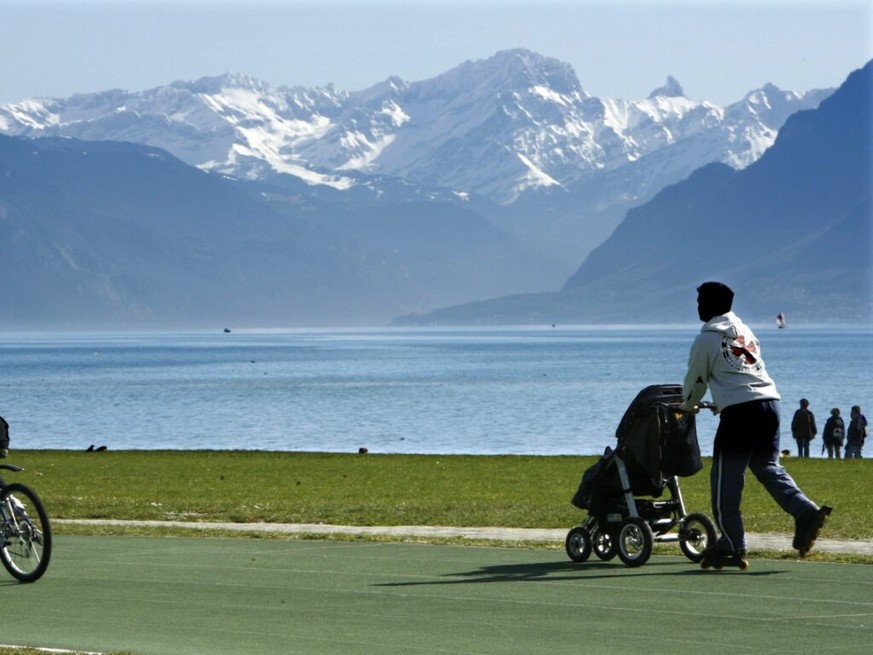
<point>726,358</point>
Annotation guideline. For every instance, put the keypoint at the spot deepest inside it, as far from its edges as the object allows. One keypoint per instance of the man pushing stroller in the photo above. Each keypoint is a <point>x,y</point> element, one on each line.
<point>726,359</point>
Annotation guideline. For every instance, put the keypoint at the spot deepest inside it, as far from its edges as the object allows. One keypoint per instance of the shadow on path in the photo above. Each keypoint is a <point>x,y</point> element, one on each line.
<point>570,571</point>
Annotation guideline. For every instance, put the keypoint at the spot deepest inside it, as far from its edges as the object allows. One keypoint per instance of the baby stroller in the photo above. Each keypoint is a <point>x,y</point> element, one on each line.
<point>656,444</point>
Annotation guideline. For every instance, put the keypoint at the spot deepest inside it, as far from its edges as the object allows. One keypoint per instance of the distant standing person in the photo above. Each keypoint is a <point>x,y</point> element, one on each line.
<point>856,434</point>
<point>726,359</point>
<point>834,432</point>
<point>803,428</point>
<point>4,437</point>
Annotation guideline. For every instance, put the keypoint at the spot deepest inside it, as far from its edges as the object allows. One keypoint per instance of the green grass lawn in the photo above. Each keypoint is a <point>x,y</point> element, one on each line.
<point>510,491</point>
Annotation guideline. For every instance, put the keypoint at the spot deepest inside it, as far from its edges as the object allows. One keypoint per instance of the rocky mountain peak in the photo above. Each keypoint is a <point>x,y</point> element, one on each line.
<point>230,80</point>
<point>671,89</point>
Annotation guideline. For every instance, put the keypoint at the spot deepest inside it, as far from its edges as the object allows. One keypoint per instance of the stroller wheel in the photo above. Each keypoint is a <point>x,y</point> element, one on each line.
<point>635,541</point>
<point>578,544</point>
<point>696,535</point>
<point>603,543</point>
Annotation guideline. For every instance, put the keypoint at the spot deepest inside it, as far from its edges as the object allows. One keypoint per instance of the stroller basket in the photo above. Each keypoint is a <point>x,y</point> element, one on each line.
<point>656,443</point>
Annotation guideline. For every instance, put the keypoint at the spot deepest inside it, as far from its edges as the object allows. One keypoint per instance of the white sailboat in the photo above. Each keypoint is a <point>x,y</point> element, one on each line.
<point>780,320</point>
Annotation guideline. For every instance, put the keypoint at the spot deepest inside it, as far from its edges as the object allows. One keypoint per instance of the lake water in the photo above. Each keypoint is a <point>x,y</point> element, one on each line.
<point>466,391</point>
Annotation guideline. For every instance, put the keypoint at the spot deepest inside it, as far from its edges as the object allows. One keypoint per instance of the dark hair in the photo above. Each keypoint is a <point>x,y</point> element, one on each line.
<point>716,296</point>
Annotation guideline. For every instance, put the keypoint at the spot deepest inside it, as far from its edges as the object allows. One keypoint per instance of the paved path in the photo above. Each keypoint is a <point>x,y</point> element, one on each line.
<point>755,541</point>
<point>190,596</point>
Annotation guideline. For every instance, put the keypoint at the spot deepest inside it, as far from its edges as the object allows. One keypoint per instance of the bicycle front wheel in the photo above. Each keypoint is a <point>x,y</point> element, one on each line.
<point>25,532</point>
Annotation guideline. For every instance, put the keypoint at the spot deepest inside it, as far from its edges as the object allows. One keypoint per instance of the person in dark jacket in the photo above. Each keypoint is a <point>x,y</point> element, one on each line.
<point>803,428</point>
<point>4,438</point>
<point>834,432</point>
<point>856,434</point>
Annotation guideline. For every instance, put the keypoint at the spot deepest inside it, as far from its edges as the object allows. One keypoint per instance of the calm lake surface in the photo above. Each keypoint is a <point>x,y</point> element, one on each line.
<point>539,391</point>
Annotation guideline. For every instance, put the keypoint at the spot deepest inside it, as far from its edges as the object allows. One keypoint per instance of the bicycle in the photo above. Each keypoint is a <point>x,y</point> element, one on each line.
<point>25,532</point>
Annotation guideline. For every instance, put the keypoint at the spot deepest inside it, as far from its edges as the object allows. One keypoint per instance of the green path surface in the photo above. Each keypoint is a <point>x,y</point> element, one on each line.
<point>179,595</point>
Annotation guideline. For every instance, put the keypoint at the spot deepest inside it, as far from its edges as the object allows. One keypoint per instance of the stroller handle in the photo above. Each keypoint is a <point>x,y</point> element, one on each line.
<point>708,405</point>
<point>701,405</point>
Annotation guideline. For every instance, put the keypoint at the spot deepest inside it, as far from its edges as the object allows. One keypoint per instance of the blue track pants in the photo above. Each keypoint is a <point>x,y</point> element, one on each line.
<point>748,437</point>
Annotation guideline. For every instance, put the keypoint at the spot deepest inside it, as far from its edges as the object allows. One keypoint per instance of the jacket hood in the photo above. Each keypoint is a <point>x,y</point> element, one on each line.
<point>726,324</point>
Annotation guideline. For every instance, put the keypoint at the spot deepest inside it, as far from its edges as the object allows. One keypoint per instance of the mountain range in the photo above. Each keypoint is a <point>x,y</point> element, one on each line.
<point>227,199</point>
<point>559,166</point>
<point>117,234</point>
<point>791,232</point>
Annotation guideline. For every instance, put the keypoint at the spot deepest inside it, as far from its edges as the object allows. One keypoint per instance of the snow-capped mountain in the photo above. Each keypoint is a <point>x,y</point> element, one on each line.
<point>499,128</point>
<point>792,231</point>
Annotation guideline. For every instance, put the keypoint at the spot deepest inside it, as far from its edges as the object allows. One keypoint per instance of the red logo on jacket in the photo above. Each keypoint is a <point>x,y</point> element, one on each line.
<point>740,353</point>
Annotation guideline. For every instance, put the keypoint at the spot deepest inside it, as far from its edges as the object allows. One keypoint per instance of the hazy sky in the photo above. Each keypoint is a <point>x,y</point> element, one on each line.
<point>718,49</point>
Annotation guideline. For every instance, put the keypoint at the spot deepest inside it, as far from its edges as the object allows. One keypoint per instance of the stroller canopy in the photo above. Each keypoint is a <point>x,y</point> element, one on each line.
<point>658,439</point>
